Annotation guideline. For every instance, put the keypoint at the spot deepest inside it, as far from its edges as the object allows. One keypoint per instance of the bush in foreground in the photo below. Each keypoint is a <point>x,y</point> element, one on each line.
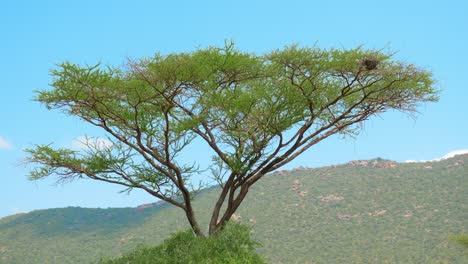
<point>231,245</point>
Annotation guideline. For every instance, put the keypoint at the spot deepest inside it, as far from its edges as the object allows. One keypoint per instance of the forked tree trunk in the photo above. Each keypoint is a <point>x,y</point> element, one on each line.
<point>232,206</point>
<point>217,208</point>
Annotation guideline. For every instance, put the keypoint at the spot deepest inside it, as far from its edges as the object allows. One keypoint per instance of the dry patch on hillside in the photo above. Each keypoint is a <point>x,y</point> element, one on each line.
<point>331,198</point>
<point>377,213</point>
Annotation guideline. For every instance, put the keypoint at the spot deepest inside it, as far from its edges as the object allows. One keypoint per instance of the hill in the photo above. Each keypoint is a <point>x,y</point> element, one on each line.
<point>370,211</point>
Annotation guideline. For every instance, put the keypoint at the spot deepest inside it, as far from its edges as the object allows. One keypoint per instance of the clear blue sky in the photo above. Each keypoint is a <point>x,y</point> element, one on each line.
<point>37,34</point>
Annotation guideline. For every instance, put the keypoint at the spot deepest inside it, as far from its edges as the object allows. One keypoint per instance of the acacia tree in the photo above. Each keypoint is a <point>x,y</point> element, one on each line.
<point>255,112</point>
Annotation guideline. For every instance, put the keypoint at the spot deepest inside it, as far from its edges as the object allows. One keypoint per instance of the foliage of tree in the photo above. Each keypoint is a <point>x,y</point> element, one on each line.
<point>255,112</point>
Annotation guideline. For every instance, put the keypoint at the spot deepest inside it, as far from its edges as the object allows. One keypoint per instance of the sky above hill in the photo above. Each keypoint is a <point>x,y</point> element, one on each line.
<point>36,35</point>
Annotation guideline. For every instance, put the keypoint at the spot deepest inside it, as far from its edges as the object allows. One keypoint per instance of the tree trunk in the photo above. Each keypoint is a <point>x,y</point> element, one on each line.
<point>193,222</point>
<point>230,210</point>
<point>222,197</point>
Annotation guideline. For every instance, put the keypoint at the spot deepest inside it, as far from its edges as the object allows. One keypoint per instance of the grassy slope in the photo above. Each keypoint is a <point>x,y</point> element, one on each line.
<point>340,214</point>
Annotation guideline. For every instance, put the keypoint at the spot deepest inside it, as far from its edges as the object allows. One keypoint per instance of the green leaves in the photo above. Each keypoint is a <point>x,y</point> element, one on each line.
<point>245,102</point>
<point>51,160</point>
<point>107,163</point>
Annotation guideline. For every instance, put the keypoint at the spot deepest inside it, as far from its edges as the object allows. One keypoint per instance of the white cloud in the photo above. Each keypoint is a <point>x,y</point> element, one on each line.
<point>85,142</point>
<point>452,154</point>
<point>17,211</point>
<point>449,155</point>
<point>4,144</point>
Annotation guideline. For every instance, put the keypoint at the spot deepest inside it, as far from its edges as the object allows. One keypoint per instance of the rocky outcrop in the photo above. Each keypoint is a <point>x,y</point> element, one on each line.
<point>149,205</point>
<point>374,163</point>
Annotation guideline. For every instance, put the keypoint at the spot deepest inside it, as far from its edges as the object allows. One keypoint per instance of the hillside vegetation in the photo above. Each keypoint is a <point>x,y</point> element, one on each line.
<point>375,211</point>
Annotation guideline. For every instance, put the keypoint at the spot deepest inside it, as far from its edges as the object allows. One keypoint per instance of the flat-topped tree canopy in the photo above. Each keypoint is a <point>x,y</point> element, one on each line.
<point>256,112</point>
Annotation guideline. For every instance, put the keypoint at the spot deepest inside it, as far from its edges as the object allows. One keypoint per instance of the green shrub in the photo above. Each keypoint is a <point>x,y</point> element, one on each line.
<point>231,245</point>
<point>460,239</point>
